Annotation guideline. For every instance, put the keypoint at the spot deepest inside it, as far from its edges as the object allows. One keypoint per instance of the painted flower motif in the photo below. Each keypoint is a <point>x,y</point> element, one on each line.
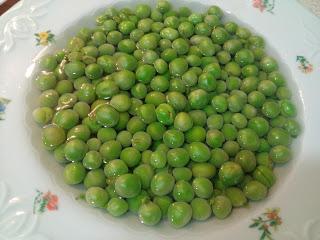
<point>304,65</point>
<point>44,38</point>
<point>267,222</point>
<point>45,201</point>
<point>3,105</point>
<point>264,5</point>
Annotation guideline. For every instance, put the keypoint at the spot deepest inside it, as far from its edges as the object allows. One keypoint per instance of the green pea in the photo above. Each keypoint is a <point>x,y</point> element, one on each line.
<point>121,102</point>
<point>158,159</point>
<point>173,138</point>
<point>182,173</point>
<point>149,213</point>
<point>267,87</point>
<point>250,70</point>
<point>106,134</point>
<point>219,35</point>
<point>95,178</point>
<point>236,196</point>
<point>160,83</point>
<point>235,103</point>
<point>64,86</point>
<point>230,173</point>
<point>221,207</point>
<point>198,99</point>
<point>46,81</point>
<point>218,157</point>
<point>53,136</point>
<point>92,124</point>
<point>128,185</point>
<point>248,139</point>
<point>179,214</point>
<point>117,206</point>
<point>124,137</point>
<point>283,93</point>
<point>106,49</point>
<point>92,160</point>
<point>229,131</point>
<point>231,148</point>
<point>135,124</point>
<point>195,134</point>
<point>264,175</point>
<point>74,173</point>
<point>58,154</point>
<point>86,93</point>
<point>206,170</point>
<point>280,154</point>
<point>169,33</point>
<point>249,84</point>
<point>181,46</point>
<point>107,63</point>
<point>177,100</point>
<point>81,132</point>
<point>145,172</point>
<point>278,136</point>
<point>130,156</point>
<point>178,66</point>
<point>42,115</point>
<point>256,99</point>
<point>219,103</point>
<point>141,141</point>
<point>155,98</point>
<point>292,127</point>
<point>115,168</point>
<point>139,91</point>
<point>162,183</point>
<point>287,108</point>
<point>255,190</point>
<point>199,152</point>
<point>263,158</point>
<point>107,116</point>
<point>97,197</point>
<point>124,79</point>
<point>183,121</point>
<point>268,64</point>
<point>201,209</point>
<point>183,191</point>
<point>110,150</point>
<point>271,109</point>
<point>202,187</point>
<point>259,125</point>
<point>74,69</point>
<point>215,138</point>
<point>75,150</point>
<point>206,47</point>
<point>165,114</point>
<point>246,159</point>
<point>48,63</point>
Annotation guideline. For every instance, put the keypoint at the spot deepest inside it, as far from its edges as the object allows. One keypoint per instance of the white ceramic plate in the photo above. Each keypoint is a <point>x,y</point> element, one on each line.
<point>36,204</point>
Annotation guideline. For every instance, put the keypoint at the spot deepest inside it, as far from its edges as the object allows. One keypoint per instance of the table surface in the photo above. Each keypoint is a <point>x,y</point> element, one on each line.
<point>6,5</point>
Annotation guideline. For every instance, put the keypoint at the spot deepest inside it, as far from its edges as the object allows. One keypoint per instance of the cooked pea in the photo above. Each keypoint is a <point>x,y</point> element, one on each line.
<point>166,113</point>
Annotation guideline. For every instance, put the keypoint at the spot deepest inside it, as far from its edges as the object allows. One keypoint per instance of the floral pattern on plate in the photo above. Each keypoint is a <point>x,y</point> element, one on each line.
<point>44,38</point>
<point>3,105</point>
<point>264,5</point>
<point>304,65</point>
<point>266,222</point>
<point>45,201</point>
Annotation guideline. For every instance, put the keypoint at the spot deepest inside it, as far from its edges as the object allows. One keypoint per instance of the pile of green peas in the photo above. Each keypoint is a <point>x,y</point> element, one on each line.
<point>166,113</point>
